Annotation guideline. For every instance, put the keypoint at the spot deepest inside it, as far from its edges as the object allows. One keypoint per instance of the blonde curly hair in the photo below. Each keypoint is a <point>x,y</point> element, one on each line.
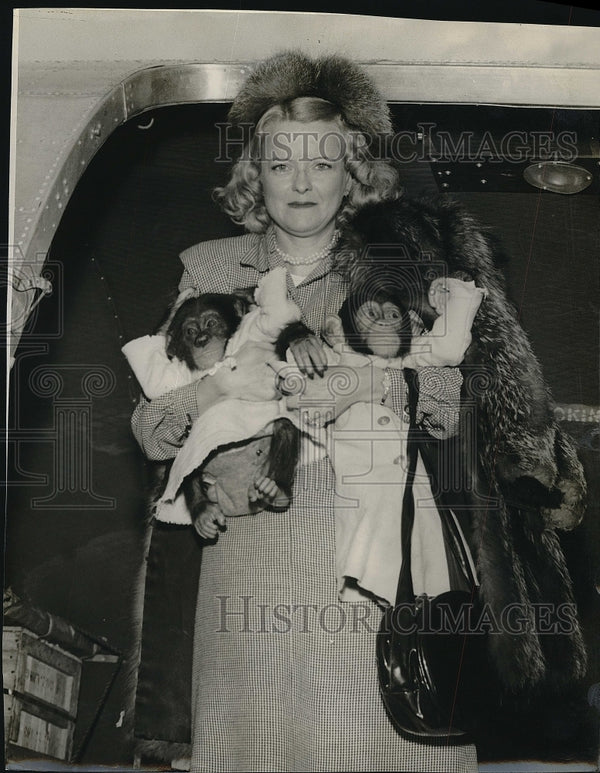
<point>373,178</point>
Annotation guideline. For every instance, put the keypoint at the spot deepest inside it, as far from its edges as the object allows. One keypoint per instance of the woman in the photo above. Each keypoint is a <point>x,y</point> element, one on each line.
<point>284,677</point>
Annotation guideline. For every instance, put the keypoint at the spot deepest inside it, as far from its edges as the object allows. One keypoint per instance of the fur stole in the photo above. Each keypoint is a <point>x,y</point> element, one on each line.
<point>524,477</point>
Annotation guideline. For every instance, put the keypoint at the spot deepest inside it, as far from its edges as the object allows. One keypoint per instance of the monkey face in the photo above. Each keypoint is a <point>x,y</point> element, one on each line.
<point>374,321</point>
<point>205,337</point>
<point>201,327</point>
<point>381,326</point>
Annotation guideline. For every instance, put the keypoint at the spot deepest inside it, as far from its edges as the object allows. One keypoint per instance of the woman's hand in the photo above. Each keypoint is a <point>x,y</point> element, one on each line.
<point>309,355</point>
<point>254,377</point>
<point>323,400</point>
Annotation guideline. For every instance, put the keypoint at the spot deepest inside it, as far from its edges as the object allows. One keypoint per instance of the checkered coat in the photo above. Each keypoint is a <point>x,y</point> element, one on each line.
<point>284,676</point>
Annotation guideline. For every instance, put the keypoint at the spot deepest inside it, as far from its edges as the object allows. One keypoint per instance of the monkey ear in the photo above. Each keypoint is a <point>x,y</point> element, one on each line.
<point>243,299</point>
<point>333,330</point>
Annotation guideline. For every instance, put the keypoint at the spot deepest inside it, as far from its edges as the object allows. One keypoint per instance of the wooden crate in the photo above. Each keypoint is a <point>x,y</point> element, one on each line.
<point>40,672</point>
<point>35,728</point>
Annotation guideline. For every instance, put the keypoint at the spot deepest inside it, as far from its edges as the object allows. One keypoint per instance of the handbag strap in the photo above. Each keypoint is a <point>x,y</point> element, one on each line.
<point>453,537</point>
<point>405,591</point>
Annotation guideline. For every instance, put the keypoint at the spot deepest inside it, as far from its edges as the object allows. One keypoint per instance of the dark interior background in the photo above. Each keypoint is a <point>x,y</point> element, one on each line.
<point>114,264</point>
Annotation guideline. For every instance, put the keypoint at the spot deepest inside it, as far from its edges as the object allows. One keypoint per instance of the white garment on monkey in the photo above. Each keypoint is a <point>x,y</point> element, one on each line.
<point>368,449</point>
<point>158,374</point>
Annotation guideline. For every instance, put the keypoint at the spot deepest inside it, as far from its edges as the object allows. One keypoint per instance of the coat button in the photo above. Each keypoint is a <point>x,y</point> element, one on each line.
<point>398,460</point>
<point>383,420</point>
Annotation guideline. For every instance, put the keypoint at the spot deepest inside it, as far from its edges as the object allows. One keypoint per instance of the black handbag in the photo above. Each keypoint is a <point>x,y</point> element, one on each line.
<point>432,660</point>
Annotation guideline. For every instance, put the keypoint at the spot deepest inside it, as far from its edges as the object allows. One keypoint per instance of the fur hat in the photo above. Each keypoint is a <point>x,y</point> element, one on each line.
<point>292,74</point>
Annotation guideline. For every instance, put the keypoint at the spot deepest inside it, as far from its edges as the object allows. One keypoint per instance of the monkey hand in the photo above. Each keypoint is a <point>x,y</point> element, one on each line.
<point>210,521</point>
<point>266,490</point>
<point>254,375</point>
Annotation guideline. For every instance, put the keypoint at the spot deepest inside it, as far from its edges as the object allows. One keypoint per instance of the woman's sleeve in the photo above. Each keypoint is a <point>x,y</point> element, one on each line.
<point>438,405</point>
<point>186,281</point>
<point>161,425</point>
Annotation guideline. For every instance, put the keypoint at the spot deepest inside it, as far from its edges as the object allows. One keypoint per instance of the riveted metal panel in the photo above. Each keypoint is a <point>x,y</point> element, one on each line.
<point>181,84</point>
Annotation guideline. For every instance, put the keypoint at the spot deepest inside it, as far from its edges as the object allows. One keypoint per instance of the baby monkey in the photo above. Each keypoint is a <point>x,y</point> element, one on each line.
<point>200,335</point>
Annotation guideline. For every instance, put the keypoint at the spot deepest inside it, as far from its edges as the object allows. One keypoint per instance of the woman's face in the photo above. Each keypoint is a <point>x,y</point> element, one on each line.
<point>304,176</point>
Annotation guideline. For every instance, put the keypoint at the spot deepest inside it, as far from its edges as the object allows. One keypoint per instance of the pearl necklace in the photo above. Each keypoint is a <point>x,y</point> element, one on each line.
<point>309,259</point>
